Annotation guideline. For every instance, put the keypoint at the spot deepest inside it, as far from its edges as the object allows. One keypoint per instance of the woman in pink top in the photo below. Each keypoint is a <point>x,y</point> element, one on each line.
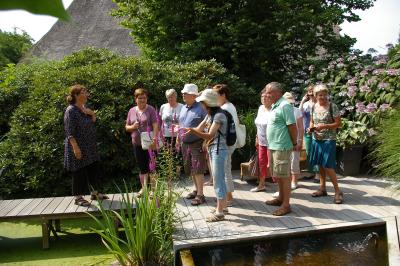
<point>142,118</point>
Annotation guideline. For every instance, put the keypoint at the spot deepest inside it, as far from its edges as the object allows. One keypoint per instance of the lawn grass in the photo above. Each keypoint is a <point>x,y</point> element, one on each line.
<point>21,244</point>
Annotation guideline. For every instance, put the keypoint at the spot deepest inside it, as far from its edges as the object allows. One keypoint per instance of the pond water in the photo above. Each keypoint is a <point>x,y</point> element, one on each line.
<point>366,246</point>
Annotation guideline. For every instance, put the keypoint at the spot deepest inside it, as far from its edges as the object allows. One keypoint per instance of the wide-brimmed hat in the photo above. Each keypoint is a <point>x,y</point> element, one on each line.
<point>209,96</point>
<point>289,97</point>
<point>190,89</point>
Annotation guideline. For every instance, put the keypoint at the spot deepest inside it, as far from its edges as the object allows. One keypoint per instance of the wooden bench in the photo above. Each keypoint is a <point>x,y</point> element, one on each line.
<point>49,211</point>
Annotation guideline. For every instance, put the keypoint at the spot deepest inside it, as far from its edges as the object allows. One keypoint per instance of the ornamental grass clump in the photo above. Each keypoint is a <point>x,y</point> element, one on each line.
<point>387,148</point>
<point>147,222</point>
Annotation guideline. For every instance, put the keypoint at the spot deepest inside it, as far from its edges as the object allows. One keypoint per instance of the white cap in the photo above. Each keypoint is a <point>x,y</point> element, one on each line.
<point>289,97</point>
<point>190,89</point>
<point>209,96</point>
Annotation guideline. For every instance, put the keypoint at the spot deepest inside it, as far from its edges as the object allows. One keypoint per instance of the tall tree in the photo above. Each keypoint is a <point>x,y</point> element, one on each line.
<point>12,46</point>
<point>259,40</point>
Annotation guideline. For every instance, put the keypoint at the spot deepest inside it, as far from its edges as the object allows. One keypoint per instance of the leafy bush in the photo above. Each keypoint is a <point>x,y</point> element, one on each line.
<point>387,149</point>
<point>31,153</point>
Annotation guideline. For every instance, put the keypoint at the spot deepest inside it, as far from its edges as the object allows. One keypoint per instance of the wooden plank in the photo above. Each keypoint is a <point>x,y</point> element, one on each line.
<point>71,208</point>
<point>82,209</point>
<point>19,207</point>
<point>393,241</point>
<point>63,205</point>
<point>9,207</point>
<point>52,206</point>
<point>4,203</point>
<point>41,206</point>
<point>32,205</point>
<point>257,236</point>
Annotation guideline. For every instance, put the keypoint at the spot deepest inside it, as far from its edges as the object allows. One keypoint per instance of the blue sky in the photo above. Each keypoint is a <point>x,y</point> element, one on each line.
<point>379,25</point>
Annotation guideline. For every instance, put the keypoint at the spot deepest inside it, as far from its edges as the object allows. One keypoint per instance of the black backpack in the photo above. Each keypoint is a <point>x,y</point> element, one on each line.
<point>230,129</point>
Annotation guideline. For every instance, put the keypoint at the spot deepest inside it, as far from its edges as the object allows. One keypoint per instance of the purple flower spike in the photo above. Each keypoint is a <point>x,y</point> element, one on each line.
<point>371,107</point>
<point>360,107</point>
<point>382,85</point>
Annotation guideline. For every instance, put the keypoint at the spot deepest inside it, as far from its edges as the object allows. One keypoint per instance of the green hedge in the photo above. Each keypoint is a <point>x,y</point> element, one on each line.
<point>31,153</point>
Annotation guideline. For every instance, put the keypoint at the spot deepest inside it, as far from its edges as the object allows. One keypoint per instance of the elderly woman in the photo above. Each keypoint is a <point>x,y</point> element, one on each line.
<point>305,107</point>
<point>142,118</point>
<point>81,157</point>
<point>211,130</point>
<point>261,140</point>
<point>325,119</point>
<point>169,113</point>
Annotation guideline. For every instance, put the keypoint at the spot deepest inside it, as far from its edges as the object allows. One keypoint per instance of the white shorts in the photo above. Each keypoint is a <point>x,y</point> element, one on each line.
<point>295,163</point>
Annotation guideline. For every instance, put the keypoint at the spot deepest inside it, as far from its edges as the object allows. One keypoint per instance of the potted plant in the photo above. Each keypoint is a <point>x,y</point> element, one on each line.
<point>351,139</point>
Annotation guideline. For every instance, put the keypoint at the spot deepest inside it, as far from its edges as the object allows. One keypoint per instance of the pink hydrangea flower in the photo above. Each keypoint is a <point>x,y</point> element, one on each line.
<point>360,107</point>
<point>382,85</point>
<point>384,107</point>
<point>393,72</point>
<point>365,88</point>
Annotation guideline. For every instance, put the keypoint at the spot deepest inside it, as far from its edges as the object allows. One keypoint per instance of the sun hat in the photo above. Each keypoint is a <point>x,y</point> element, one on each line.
<point>209,96</point>
<point>289,97</point>
<point>190,89</point>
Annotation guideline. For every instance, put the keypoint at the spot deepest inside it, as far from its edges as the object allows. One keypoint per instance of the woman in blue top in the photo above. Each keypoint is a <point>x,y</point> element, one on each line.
<point>213,130</point>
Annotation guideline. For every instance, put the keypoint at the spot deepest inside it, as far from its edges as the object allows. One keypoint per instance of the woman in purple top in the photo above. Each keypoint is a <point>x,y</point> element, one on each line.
<point>142,118</point>
<point>81,157</point>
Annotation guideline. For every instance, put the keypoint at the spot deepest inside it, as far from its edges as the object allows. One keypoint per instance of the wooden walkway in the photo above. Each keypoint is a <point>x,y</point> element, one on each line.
<point>53,209</point>
<point>366,202</point>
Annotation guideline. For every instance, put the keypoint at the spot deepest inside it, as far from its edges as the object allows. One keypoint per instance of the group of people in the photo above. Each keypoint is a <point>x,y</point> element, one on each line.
<point>200,131</point>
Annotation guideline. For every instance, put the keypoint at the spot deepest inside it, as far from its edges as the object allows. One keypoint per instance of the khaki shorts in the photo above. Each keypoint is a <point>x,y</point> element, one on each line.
<point>280,163</point>
<point>194,158</point>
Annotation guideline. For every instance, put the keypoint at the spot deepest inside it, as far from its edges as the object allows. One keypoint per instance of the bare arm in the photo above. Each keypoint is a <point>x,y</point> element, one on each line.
<point>300,129</point>
<point>334,125</point>
<point>293,133</point>
<point>131,128</point>
<point>204,135</point>
<point>75,148</point>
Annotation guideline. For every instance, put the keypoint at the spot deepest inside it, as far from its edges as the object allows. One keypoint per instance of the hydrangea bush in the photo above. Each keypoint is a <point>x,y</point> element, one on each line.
<point>365,88</point>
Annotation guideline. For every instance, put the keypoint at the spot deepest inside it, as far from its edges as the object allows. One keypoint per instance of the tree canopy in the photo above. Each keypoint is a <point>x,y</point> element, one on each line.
<point>257,40</point>
<point>12,46</point>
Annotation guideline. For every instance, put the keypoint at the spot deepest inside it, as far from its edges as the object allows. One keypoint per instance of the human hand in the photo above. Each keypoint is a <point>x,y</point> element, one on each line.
<point>320,127</point>
<point>77,153</point>
<point>136,125</point>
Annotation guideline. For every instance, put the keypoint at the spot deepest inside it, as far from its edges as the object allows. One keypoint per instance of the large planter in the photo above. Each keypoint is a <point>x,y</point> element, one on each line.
<point>348,160</point>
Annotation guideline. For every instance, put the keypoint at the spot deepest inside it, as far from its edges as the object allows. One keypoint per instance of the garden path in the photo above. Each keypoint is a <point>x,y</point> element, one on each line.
<point>367,202</point>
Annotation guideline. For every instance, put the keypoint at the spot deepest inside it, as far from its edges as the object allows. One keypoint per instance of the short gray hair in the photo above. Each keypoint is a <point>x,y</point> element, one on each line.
<point>170,92</point>
<point>320,88</point>
<point>274,86</point>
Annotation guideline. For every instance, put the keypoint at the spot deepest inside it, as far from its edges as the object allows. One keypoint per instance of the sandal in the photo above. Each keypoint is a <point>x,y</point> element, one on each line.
<point>191,195</point>
<point>98,196</point>
<point>274,202</point>
<point>215,218</point>
<point>199,199</point>
<point>319,193</point>
<point>225,211</point>
<point>338,198</point>
<point>139,194</point>
<point>282,211</point>
<point>82,202</point>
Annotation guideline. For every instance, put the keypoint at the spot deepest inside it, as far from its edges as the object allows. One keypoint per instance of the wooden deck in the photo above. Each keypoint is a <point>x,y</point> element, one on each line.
<point>54,209</point>
<point>366,202</point>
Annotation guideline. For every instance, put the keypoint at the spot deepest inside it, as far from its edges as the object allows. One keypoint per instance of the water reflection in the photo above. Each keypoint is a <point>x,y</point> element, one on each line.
<point>360,247</point>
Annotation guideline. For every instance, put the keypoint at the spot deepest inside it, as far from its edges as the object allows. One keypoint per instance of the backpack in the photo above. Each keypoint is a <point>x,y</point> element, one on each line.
<point>230,129</point>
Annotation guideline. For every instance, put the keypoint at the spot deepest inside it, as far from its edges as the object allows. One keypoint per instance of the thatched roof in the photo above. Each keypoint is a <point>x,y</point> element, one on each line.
<point>91,25</point>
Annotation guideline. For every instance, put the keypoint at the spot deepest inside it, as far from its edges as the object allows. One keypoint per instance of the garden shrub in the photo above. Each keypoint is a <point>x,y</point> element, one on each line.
<point>31,153</point>
<point>363,87</point>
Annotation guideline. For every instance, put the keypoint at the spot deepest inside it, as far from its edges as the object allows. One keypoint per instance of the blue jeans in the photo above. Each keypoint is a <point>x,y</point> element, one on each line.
<point>218,170</point>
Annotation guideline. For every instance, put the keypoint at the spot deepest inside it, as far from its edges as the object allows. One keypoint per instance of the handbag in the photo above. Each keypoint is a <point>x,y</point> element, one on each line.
<point>240,136</point>
<point>146,139</point>
<point>250,169</point>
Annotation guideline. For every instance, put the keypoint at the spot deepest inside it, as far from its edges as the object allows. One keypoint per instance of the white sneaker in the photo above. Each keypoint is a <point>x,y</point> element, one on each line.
<point>275,195</point>
<point>257,189</point>
<point>293,186</point>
